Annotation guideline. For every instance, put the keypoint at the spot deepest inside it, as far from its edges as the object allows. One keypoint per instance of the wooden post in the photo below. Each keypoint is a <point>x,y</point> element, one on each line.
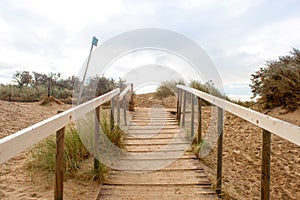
<point>178,94</point>
<point>199,138</point>
<point>192,116</point>
<point>265,165</point>
<point>96,140</point>
<point>124,108</point>
<point>179,106</point>
<point>131,104</point>
<point>59,164</point>
<point>131,95</point>
<point>118,111</point>
<point>220,151</point>
<point>183,112</point>
<point>49,86</point>
<point>112,110</point>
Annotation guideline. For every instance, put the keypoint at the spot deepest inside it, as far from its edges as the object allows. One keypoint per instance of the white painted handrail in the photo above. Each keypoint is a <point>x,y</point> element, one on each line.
<point>124,92</point>
<point>281,128</point>
<point>15,143</point>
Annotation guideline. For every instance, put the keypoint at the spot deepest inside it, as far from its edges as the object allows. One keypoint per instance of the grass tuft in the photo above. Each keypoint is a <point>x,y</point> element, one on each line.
<point>43,155</point>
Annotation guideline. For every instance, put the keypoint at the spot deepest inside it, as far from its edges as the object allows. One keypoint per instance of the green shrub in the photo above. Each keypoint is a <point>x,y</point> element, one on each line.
<point>278,84</point>
<point>168,88</point>
<point>207,87</point>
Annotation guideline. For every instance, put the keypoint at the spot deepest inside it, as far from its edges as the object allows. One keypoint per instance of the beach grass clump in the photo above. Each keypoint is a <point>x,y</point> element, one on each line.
<point>75,151</point>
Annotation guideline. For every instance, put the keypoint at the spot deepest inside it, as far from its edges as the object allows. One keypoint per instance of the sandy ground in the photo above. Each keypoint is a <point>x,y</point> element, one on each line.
<point>241,164</point>
<point>242,158</point>
<point>19,182</point>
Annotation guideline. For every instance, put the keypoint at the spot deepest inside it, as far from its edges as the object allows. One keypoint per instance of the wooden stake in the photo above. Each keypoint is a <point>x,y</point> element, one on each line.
<point>96,140</point>
<point>265,165</point>
<point>220,151</point>
<point>199,138</point>
<point>183,112</point>
<point>59,164</point>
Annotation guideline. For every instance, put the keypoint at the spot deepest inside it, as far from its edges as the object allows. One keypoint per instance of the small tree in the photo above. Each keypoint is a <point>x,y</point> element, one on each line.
<point>23,78</point>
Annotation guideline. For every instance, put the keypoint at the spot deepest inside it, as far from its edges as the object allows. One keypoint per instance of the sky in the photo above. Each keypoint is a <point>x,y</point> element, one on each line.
<point>238,35</point>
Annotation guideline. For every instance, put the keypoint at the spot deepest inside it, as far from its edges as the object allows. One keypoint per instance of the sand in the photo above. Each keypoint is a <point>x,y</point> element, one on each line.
<point>19,182</point>
<point>241,164</point>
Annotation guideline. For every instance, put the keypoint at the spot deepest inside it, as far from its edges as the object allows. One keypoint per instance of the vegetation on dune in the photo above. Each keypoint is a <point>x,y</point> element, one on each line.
<point>33,88</point>
<point>75,152</point>
<point>168,88</point>
<point>278,84</point>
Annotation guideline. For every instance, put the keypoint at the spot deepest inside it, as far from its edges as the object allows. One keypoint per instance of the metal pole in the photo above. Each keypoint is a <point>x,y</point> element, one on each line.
<point>94,42</point>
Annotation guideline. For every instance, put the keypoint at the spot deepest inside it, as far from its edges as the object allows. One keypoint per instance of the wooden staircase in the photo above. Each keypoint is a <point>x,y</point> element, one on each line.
<point>172,172</point>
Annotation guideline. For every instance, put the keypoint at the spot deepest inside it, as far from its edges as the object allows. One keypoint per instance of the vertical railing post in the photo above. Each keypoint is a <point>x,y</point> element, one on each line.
<point>192,116</point>
<point>118,111</point>
<point>178,94</point>
<point>131,93</point>
<point>220,151</point>
<point>59,164</point>
<point>265,165</point>
<point>124,108</point>
<point>199,131</point>
<point>178,106</point>
<point>96,139</point>
<point>112,112</point>
<point>183,111</point>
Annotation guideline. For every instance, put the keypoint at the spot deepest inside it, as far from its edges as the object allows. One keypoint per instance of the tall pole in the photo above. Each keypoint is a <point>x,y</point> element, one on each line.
<point>94,43</point>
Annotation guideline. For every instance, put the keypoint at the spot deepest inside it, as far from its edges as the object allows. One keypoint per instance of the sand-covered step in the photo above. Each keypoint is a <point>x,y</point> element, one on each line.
<point>152,122</point>
<point>147,120</point>
<point>157,192</point>
<point>155,164</point>
<point>154,131</point>
<point>153,137</point>
<point>164,127</point>
<point>154,141</point>
<point>158,147</point>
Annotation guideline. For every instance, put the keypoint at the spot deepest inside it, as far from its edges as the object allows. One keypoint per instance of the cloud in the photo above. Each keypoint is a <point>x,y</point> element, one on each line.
<point>273,40</point>
<point>239,36</point>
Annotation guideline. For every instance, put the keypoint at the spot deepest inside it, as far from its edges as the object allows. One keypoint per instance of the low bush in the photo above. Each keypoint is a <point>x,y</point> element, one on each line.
<point>278,84</point>
<point>168,88</point>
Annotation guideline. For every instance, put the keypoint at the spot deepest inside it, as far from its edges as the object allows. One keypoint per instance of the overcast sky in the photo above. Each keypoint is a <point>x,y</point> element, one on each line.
<point>238,35</point>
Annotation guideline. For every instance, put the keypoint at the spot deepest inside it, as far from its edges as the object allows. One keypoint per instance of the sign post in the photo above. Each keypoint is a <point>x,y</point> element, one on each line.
<point>94,43</point>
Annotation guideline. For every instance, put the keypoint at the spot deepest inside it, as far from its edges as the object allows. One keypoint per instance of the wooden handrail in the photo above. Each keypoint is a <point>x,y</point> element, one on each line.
<point>124,92</point>
<point>15,143</point>
<point>281,128</point>
<point>269,125</point>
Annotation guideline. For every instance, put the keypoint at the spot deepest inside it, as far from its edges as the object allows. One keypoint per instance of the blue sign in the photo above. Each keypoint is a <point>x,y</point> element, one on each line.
<point>95,41</point>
